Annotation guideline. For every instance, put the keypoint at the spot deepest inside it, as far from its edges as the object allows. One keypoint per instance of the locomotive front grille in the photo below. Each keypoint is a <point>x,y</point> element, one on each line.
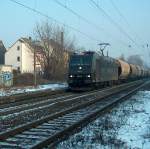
<point>80,80</point>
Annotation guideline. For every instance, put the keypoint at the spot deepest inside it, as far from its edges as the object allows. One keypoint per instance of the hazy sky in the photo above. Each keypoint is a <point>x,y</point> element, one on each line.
<point>128,22</point>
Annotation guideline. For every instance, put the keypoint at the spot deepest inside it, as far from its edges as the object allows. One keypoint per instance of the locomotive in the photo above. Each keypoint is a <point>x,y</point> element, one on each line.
<point>89,69</point>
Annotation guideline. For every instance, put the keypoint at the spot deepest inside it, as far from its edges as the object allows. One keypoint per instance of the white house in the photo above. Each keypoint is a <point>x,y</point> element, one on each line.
<point>21,56</point>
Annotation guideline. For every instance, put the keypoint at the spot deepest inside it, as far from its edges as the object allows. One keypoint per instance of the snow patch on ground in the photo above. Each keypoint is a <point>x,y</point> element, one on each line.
<point>20,90</point>
<point>126,127</point>
<point>137,129</point>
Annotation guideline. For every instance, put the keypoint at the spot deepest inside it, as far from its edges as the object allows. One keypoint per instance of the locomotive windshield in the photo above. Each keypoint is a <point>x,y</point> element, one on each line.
<point>80,60</point>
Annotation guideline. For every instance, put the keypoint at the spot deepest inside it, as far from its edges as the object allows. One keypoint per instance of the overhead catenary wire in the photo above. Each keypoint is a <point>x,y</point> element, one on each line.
<point>126,21</point>
<point>78,15</point>
<point>86,20</point>
<point>119,12</point>
<point>123,17</point>
<point>113,22</point>
<point>57,21</point>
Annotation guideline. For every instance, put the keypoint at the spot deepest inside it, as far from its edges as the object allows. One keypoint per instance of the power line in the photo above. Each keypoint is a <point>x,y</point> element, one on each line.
<point>123,17</point>
<point>78,15</point>
<point>113,22</point>
<point>51,18</point>
<point>85,19</point>
<point>118,11</point>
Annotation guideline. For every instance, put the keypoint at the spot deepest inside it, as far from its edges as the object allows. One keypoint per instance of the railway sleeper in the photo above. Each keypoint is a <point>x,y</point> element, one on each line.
<point>18,141</point>
<point>52,124</point>
<point>71,116</point>
<point>46,127</point>
<point>28,137</point>
<point>60,125</point>
<point>22,142</point>
<point>25,142</point>
<point>66,120</point>
<point>52,128</point>
<point>8,145</point>
<point>41,130</point>
<point>35,133</point>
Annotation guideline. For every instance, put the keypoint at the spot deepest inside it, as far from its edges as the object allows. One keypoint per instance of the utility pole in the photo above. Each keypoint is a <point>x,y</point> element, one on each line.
<point>107,53</point>
<point>102,47</point>
<point>62,40</point>
<point>35,81</point>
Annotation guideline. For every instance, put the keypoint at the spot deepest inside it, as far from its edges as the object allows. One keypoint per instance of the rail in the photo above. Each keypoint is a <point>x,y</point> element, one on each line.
<point>47,130</point>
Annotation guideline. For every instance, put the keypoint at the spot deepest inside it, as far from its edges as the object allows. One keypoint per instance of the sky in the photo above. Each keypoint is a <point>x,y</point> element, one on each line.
<point>118,22</point>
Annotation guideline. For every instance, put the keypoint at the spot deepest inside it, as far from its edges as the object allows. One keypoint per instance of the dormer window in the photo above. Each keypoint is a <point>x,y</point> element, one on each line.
<point>18,48</point>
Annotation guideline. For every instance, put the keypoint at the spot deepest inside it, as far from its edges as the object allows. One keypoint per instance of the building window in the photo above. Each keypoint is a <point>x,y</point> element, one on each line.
<point>18,58</point>
<point>18,48</point>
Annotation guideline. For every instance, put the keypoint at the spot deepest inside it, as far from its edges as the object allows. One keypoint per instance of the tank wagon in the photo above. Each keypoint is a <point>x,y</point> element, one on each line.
<point>123,70</point>
<point>133,72</point>
<point>139,71</point>
<point>90,69</point>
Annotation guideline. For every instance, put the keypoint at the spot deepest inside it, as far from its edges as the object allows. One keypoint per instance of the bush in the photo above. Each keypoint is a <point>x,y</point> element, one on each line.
<point>23,79</point>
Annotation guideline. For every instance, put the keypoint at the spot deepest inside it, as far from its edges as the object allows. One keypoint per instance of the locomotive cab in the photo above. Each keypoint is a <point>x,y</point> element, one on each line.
<point>80,69</point>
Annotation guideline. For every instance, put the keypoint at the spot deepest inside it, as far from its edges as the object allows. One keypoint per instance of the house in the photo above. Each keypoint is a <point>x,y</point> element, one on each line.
<point>21,55</point>
<point>2,53</point>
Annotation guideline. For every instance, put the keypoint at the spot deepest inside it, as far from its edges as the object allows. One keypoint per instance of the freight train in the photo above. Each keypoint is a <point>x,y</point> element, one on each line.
<point>89,69</point>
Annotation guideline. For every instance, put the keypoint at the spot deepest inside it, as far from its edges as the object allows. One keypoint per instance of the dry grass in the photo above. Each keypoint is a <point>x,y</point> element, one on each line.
<point>27,79</point>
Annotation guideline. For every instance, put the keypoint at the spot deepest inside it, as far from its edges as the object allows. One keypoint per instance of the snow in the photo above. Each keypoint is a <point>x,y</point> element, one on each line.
<point>12,91</point>
<point>127,127</point>
<point>138,124</point>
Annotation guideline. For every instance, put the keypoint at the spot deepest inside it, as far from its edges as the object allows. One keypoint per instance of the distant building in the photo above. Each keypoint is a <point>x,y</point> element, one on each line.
<point>2,53</point>
<point>21,55</point>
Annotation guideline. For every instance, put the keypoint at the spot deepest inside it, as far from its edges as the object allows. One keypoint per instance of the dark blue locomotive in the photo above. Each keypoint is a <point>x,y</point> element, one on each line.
<point>91,69</point>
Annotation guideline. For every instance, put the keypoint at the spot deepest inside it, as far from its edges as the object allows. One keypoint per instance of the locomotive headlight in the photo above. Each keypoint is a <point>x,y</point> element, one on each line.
<point>80,67</point>
<point>71,76</point>
<point>88,76</point>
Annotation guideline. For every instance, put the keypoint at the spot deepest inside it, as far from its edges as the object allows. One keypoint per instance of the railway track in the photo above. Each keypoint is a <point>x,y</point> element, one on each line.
<point>34,104</point>
<point>23,98</point>
<point>50,130</point>
<point>18,115</point>
<point>43,102</point>
<point>11,117</point>
<point>32,99</point>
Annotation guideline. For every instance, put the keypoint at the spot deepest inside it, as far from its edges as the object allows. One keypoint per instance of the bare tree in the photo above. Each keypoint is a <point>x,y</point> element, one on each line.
<point>135,59</point>
<point>56,47</point>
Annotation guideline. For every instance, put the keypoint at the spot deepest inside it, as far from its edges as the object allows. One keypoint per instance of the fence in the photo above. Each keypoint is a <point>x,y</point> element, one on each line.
<point>6,79</point>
